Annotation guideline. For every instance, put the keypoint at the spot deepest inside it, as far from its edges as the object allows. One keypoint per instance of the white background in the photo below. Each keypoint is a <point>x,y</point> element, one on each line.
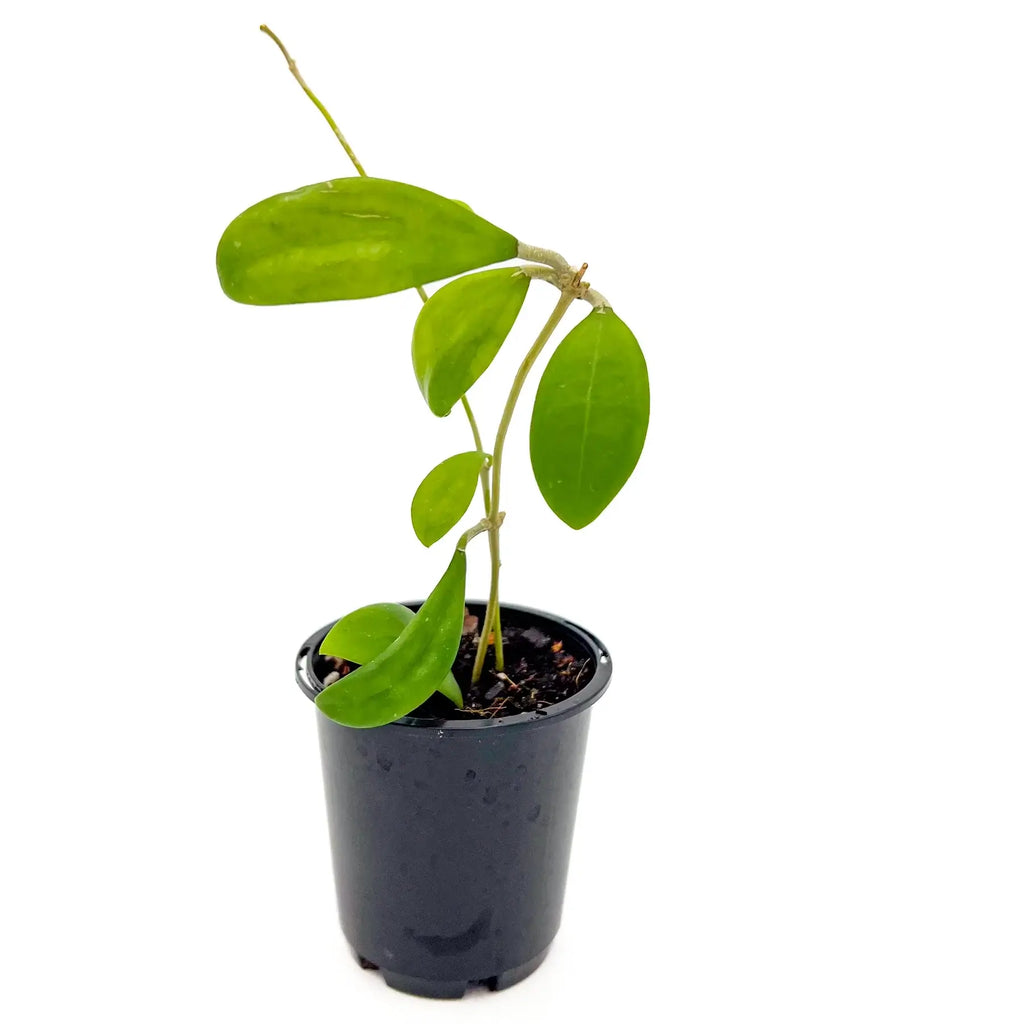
<point>803,797</point>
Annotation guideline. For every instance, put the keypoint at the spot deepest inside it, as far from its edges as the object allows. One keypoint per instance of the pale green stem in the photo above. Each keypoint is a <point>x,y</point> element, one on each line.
<point>537,254</point>
<point>473,531</point>
<point>293,68</point>
<point>492,617</point>
<point>485,487</point>
<point>565,300</point>
<point>485,484</point>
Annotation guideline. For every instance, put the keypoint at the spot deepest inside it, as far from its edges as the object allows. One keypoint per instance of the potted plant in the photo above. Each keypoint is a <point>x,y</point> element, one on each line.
<point>453,733</point>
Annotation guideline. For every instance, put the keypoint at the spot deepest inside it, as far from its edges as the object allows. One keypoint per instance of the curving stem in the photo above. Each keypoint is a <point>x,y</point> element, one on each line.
<point>565,300</point>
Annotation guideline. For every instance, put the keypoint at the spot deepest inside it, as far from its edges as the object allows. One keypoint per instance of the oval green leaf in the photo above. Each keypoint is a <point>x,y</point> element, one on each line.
<point>444,495</point>
<point>363,634</point>
<point>459,331</point>
<point>367,632</point>
<point>589,418</point>
<point>410,669</point>
<point>352,238</point>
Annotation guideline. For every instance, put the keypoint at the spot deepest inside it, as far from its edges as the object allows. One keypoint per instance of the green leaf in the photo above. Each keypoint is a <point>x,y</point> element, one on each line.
<point>367,632</point>
<point>459,331</point>
<point>444,495</point>
<point>450,689</point>
<point>410,669</point>
<point>352,238</point>
<point>589,418</point>
<point>363,634</point>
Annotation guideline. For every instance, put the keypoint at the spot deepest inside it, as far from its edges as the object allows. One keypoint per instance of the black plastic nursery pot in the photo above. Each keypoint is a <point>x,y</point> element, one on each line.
<point>451,838</point>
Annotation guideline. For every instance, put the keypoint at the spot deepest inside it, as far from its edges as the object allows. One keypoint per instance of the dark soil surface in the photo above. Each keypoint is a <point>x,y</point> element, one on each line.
<point>540,670</point>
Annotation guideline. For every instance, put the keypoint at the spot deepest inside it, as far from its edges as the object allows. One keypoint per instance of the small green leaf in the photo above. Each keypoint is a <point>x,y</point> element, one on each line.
<point>459,331</point>
<point>409,670</point>
<point>589,418</point>
<point>444,495</point>
<point>352,238</point>
<point>363,634</point>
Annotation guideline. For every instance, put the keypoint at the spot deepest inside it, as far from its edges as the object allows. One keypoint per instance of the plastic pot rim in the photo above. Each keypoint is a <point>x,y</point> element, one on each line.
<point>580,701</point>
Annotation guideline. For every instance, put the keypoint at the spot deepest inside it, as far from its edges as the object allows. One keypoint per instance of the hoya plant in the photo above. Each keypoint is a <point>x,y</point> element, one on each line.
<point>357,237</point>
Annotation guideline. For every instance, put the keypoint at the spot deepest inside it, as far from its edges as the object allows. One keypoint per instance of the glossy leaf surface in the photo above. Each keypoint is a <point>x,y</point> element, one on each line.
<point>352,238</point>
<point>459,331</point>
<point>410,669</point>
<point>362,635</point>
<point>589,418</point>
<point>444,495</point>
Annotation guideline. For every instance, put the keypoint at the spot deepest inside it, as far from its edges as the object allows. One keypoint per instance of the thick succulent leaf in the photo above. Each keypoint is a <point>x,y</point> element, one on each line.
<point>589,418</point>
<point>444,495</point>
<point>352,238</point>
<point>362,635</point>
<point>410,669</point>
<point>459,331</point>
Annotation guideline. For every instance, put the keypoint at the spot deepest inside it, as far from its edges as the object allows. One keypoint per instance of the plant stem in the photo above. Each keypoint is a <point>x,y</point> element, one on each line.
<point>293,68</point>
<point>565,300</point>
<point>473,531</point>
<point>485,484</point>
<point>561,278</point>
<point>538,254</point>
<point>485,487</point>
